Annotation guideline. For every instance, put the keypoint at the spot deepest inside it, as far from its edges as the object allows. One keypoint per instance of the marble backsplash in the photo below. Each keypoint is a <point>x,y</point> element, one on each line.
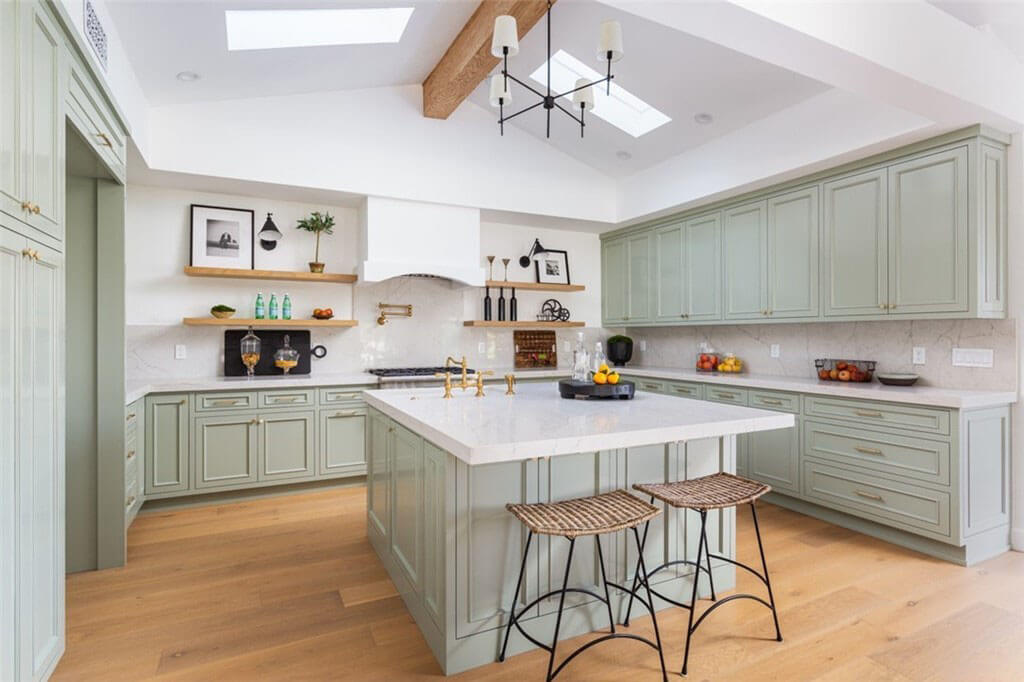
<point>889,343</point>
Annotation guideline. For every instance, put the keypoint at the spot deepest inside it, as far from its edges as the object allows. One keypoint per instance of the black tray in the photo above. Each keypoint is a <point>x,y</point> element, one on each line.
<point>623,390</point>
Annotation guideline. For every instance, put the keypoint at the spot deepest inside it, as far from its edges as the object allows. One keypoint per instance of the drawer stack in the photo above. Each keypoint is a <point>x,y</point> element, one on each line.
<point>134,460</point>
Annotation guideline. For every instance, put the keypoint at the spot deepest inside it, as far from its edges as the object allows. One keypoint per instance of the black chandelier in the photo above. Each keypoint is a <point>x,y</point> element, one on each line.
<point>505,44</point>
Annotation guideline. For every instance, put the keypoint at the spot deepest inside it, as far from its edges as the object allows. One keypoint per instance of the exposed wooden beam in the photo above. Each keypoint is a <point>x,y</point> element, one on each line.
<point>468,59</point>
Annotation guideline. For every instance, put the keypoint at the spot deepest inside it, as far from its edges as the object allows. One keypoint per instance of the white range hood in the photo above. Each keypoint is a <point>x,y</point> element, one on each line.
<point>409,238</point>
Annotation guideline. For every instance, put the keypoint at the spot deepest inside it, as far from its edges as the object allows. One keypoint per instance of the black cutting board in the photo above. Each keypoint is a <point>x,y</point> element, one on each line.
<point>271,340</point>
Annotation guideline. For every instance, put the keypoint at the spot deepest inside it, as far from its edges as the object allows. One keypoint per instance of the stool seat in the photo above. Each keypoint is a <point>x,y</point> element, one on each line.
<point>604,513</point>
<point>717,491</point>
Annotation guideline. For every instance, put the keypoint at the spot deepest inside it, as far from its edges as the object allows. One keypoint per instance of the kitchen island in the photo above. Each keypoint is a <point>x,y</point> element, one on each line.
<point>439,473</point>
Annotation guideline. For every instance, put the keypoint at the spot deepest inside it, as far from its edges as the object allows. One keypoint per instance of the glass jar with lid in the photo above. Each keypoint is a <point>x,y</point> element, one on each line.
<point>286,358</point>
<point>250,349</point>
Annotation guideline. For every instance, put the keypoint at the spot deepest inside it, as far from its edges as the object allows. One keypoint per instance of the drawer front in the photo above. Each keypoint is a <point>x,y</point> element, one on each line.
<point>722,394</point>
<point>344,394</point>
<point>774,400</point>
<point>131,471</point>
<point>926,420</point>
<point>293,398</point>
<point>892,503</point>
<point>131,495</point>
<point>100,131</point>
<point>685,389</point>
<point>132,417</point>
<point>215,402</point>
<point>917,458</point>
<point>651,385</point>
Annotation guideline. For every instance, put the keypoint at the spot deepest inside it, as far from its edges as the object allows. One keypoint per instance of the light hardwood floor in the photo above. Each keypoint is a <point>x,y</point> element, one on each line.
<point>288,588</point>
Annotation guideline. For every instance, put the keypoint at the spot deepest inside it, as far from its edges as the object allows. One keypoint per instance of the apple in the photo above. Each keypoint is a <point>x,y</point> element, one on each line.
<point>823,374</point>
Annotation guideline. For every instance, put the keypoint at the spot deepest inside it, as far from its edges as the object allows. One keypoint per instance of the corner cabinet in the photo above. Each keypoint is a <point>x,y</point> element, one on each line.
<point>917,233</point>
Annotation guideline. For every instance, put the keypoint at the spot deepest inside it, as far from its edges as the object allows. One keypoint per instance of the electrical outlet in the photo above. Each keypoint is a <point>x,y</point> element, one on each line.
<point>180,352</point>
<point>481,348</point>
<point>643,345</point>
<point>566,346</point>
<point>973,357</point>
<point>774,350</point>
<point>918,356</point>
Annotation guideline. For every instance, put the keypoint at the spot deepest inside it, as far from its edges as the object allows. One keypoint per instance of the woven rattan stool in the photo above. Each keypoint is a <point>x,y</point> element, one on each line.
<point>717,491</point>
<point>596,515</point>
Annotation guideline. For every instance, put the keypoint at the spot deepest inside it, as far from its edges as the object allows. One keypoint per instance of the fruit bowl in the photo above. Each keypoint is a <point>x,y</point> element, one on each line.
<point>855,371</point>
<point>713,363</point>
<point>323,313</point>
<point>222,312</point>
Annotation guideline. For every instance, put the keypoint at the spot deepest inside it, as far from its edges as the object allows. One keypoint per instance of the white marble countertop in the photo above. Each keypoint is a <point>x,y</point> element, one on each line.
<point>916,395</point>
<point>537,422</point>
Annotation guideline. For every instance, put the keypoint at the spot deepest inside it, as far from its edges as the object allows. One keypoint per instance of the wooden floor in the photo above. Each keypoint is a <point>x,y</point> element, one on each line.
<point>288,588</point>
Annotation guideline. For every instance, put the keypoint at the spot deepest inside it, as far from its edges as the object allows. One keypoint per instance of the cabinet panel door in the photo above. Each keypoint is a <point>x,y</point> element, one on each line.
<point>669,280</point>
<point>287,445</point>
<point>744,235</point>
<point>614,268</point>
<point>928,242</point>
<point>793,254</point>
<point>378,465</point>
<point>44,124</point>
<point>225,450</point>
<point>342,441</point>
<point>41,465</point>
<point>11,265</point>
<point>11,160</point>
<point>435,531</point>
<point>855,255</point>
<point>638,296</point>
<point>702,272</point>
<point>407,502</point>
<point>773,457</point>
<point>167,447</point>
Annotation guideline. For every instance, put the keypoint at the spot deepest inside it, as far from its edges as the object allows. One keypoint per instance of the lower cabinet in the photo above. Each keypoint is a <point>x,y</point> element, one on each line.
<point>378,473</point>
<point>167,443</point>
<point>773,457</point>
<point>287,445</point>
<point>406,450</point>
<point>226,449</point>
<point>342,441</point>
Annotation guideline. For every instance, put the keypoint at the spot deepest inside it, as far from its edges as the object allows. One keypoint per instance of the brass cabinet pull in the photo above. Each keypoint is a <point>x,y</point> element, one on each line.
<point>877,498</point>
<point>867,413</point>
<point>883,306</point>
<point>225,402</point>
<point>182,402</point>
<point>869,451</point>
<point>723,394</point>
<point>26,206</point>
<point>285,399</point>
<point>105,140</point>
<point>35,209</point>
<point>343,396</point>
<point>26,253</point>
<point>254,421</point>
<point>129,502</point>
<point>131,455</point>
<point>771,401</point>
<point>129,417</point>
<point>347,413</point>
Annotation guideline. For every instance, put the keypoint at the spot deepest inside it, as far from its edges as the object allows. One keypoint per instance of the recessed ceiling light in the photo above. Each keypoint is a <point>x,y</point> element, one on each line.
<point>187,76</point>
<point>621,108</point>
<point>704,118</point>
<point>270,29</point>
<point>623,155</point>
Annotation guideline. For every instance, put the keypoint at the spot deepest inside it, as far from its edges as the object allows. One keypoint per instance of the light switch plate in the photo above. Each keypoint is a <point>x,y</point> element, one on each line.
<point>566,346</point>
<point>481,348</point>
<point>973,357</point>
<point>919,357</point>
<point>774,350</point>
<point>643,345</point>
<point>180,352</point>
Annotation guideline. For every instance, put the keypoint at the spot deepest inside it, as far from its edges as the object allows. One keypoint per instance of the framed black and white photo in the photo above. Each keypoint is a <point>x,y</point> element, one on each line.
<point>553,267</point>
<point>222,237</point>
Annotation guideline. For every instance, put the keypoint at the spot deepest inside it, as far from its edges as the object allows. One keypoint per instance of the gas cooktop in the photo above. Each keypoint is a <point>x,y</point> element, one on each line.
<point>415,371</point>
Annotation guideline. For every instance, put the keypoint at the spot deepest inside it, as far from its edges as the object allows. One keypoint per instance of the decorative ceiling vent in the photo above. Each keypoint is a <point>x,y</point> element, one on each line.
<point>95,33</point>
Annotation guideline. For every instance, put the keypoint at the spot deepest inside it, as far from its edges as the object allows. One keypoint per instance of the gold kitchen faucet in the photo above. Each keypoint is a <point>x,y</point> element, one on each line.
<point>480,381</point>
<point>447,383</point>
<point>464,384</point>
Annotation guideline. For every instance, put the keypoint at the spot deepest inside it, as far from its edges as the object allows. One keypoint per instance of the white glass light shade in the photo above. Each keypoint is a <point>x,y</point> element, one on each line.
<point>610,41</point>
<point>583,98</point>
<point>506,35</point>
<point>499,91</point>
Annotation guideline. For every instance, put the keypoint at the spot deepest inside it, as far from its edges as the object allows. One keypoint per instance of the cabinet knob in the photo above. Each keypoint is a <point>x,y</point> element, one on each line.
<point>129,502</point>
<point>26,206</point>
<point>35,209</point>
<point>182,402</point>
<point>130,456</point>
<point>105,140</point>
<point>883,306</point>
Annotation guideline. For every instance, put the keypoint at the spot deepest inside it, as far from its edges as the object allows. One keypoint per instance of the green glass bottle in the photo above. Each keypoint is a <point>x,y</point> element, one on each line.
<point>260,310</point>
<point>286,308</point>
<point>273,306</point>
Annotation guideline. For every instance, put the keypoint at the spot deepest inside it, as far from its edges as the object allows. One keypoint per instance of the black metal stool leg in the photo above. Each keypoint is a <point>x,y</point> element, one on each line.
<point>642,566</point>
<point>515,598</point>
<point>696,577</point>
<point>764,567</point>
<point>629,605</point>
<point>604,581</point>
<point>707,553</point>
<point>561,607</point>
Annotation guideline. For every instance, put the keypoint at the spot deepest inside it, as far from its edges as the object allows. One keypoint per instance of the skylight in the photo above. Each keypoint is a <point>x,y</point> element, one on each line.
<point>270,29</point>
<point>622,109</point>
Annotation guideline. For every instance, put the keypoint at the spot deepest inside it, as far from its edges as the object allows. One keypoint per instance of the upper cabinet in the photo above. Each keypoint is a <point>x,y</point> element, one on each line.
<point>917,233</point>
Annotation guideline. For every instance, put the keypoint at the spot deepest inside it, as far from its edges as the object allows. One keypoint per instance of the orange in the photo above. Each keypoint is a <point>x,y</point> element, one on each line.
<point>600,378</point>
<point>613,378</point>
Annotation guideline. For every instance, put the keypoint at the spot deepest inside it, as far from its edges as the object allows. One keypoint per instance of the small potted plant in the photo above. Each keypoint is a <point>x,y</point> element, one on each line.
<point>317,223</point>
<point>620,350</point>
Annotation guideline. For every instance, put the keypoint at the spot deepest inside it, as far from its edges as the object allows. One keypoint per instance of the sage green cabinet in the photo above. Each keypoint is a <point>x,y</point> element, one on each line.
<point>167,443</point>
<point>744,247</point>
<point>226,449</point>
<point>669,279</point>
<point>406,450</point>
<point>928,235</point>
<point>773,457</point>
<point>342,442</point>
<point>793,227</point>
<point>856,253</point>
<point>614,283</point>
<point>11,166</point>
<point>378,475</point>
<point>702,271</point>
<point>638,294</point>
<point>287,445</point>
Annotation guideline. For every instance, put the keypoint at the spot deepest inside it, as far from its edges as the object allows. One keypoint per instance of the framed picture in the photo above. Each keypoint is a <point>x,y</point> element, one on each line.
<point>553,267</point>
<point>221,237</point>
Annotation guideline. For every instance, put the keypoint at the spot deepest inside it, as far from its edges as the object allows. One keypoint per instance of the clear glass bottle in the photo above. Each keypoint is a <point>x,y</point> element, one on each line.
<point>286,308</point>
<point>260,311</point>
<point>599,358</point>
<point>286,358</point>
<point>580,361</point>
<point>250,350</point>
<point>273,307</point>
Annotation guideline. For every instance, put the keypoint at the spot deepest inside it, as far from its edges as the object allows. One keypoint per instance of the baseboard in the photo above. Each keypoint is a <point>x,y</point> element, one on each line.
<point>150,506</point>
<point>1017,539</point>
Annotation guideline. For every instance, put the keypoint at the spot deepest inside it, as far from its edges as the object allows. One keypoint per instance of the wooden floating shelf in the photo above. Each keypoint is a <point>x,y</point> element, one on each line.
<point>286,275</point>
<point>523,324</point>
<point>249,322</point>
<point>534,286</point>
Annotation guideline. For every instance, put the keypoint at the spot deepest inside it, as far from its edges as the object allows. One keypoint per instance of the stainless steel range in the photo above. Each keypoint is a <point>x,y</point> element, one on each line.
<point>411,377</point>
